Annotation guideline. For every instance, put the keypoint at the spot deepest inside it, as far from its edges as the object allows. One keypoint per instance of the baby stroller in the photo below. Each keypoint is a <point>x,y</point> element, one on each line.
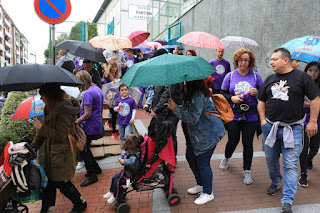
<point>158,165</point>
<point>22,177</point>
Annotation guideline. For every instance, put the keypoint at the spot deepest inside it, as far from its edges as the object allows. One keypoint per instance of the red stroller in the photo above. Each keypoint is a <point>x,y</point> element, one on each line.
<point>159,163</point>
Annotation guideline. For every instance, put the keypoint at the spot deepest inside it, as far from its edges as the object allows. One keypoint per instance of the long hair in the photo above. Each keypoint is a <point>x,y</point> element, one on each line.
<point>192,86</point>
<point>53,94</point>
<point>132,143</point>
<point>239,53</point>
<point>316,64</point>
<point>85,77</point>
<point>108,73</point>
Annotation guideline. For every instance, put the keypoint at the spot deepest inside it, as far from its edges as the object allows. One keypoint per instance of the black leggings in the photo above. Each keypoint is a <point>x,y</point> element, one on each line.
<point>310,149</point>
<point>113,120</point>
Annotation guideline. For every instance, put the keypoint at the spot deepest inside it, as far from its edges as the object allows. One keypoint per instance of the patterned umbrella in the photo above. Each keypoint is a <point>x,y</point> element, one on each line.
<point>110,42</point>
<point>142,48</point>
<point>304,49</point>
<point>202,40</point>
<point>237,42</point>
<point>151,44</point>
<point>29,108</point>
<point>137,37</point>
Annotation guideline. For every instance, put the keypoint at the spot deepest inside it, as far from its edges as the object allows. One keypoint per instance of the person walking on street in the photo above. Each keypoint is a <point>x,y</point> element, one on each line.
<point>240,87</point>
<point>280,108</point>
<point>91,120</point>
<point>223,67</point>
<point>59,163</point>
<point>310,147</point>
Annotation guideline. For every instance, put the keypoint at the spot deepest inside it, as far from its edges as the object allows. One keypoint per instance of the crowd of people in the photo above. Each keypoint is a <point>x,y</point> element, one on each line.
<point>259,107</point>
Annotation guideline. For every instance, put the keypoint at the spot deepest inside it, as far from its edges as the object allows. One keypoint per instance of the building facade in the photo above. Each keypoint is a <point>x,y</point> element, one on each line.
<point>13,44</point>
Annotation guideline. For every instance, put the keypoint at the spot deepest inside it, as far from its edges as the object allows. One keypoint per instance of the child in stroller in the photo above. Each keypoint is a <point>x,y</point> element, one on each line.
<point>131,161</point>
<point>157,170</point>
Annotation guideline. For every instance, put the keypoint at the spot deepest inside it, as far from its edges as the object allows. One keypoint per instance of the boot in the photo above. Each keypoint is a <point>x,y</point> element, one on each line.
<point>72,193</point>
<point>90,180</point>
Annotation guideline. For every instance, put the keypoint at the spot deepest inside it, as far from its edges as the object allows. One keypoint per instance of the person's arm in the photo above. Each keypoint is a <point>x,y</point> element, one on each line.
<point>86,115</point>
<point>312,126</point>
<point>262,112</point>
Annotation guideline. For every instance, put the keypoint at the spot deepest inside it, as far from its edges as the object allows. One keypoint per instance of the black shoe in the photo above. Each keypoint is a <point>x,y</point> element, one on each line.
<point>90,180</point>
<point>272,190</point>
<point>303,181</point>
<point>310,165</point>
<point>80,208</point>
<point>97,171</point>
<point>286,208</point>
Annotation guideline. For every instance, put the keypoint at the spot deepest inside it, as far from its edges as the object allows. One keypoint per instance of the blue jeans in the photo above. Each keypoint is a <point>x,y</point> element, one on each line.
<point>200,166</point>
<point>124,130</point>
<point>290,160</point>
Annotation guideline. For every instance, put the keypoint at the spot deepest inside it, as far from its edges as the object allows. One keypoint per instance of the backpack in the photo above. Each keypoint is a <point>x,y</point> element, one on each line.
<point>223,107</point>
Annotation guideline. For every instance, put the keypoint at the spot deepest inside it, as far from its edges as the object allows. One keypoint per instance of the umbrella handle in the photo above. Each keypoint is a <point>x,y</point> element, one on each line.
<point>31,128</point>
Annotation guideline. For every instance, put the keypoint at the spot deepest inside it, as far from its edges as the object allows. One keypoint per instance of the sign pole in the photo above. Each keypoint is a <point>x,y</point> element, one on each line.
<point>53,44</point>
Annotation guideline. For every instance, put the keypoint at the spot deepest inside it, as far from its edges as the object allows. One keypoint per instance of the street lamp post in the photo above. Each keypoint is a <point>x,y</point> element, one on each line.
<point>35,56</point>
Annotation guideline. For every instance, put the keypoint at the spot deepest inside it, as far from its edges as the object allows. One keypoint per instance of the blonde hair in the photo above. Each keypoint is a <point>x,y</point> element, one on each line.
<point>85,77</point>
<point>108,73</point>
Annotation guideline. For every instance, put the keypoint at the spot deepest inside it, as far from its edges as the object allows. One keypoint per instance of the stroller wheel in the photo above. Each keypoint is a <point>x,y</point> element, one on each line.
<point>123,208</point>
<point>174,199</point>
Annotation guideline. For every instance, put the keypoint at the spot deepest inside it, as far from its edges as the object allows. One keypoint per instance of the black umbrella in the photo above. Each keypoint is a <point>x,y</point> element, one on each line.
<point>82,49</point>
<point>161,41</point>
<point>23,77</point>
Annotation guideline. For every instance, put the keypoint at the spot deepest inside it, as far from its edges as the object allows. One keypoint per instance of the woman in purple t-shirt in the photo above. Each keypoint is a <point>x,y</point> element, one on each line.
<point>240,87</point>
<point>91,120</point>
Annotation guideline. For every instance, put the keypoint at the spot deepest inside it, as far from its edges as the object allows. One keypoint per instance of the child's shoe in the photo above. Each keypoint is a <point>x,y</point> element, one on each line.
<point>107,195</point>
<point>111,199</point>
<point>109,125</point>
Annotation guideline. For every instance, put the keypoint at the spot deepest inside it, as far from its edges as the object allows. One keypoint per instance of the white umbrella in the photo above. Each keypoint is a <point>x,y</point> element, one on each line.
<point>237,42</point>
<point>72,91</point>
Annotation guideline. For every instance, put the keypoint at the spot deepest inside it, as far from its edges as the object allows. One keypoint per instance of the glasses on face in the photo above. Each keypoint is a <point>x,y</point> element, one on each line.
<point>243,60</point>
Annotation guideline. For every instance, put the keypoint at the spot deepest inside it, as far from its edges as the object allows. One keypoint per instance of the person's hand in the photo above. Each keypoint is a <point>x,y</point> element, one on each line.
<point>121,160</point>
<point>236,99</point>
<point>75,71</point>
<point>311,128</point>
<point>153,114</point>
<point>122,64</point>
<point>131,121</point>
<point>37,124</point>
<point>114,58</point>
<point>253,91</point>
<point>263,122</point>
<point>171,104</point>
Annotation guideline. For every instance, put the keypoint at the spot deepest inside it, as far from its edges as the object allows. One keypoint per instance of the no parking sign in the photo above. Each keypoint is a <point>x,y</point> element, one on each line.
<point>53,11</point>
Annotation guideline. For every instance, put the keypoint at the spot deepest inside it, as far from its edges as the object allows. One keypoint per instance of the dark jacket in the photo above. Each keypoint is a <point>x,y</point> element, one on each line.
<point>59,164</point>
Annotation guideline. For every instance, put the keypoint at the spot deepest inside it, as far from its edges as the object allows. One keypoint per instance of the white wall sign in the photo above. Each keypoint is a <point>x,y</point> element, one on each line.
<point>140,12</point>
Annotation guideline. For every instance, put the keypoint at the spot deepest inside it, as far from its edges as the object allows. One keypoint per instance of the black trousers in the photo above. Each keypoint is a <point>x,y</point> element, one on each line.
<point>86,154</point>
<point>247,130</point>
<point>310,149</point>
<point>66,188</point>
<point>113,120</point>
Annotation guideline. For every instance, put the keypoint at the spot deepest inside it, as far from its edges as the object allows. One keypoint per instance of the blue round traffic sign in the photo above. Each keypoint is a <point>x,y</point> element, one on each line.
<point>53,11</point>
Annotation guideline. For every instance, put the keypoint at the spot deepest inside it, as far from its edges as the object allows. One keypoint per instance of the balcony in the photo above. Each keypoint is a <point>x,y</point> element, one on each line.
<point>8,44</point>
<point>7,33</point>
<point>1,34</point>
<point>1,47</point>
<point>6,22</point>
<point>8,55</point>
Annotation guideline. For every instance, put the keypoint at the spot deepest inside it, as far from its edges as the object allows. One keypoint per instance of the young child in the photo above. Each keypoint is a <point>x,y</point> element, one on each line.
<point>131,161</point>
<point>126,108</point>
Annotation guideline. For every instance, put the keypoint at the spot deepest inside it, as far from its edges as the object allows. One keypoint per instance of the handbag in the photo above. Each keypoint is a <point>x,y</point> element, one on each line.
<point>80,139</point>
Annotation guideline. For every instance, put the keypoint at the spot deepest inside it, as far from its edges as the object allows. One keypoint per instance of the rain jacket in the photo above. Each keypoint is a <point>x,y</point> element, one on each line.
<point>205,130</point>
<point>59,164</point>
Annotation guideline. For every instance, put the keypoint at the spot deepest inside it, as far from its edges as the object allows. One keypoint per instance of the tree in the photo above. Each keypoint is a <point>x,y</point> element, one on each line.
<point>19,126</point>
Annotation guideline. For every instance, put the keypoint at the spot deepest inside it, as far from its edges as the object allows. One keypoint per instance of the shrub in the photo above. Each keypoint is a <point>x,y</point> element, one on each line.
<point>19,126</point>
<point>5,137</point>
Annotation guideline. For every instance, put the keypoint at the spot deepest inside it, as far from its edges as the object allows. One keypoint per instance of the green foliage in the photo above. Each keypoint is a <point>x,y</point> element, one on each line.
<point>62,37</point>
<point>19,126</point>
<point>5,137</point>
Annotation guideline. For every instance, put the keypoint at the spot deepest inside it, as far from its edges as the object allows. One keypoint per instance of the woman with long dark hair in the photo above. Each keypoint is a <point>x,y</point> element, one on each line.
<point>60,115</point>
<point>205,131</point>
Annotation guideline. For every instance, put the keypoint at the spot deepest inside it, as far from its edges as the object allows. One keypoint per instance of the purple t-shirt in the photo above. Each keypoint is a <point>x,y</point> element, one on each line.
<point>125,114</point>
<point>107,80</point>
<point>129,62</point>
<point>93,96</point>
<point>222,67</point>
<point>239,85</point>
<point>78,62</point>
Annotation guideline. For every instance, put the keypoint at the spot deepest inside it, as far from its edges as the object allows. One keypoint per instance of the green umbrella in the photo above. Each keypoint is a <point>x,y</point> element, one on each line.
<point>166,70</point>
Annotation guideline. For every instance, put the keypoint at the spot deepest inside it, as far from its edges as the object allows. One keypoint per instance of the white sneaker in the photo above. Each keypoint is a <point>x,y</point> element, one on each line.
<point>204,198</point>
<point>195,190</point>
<point>80,165</point>
<point>107,195</point>
<point>111,199</point>
<point>247,177</point>
<point>224,164</point>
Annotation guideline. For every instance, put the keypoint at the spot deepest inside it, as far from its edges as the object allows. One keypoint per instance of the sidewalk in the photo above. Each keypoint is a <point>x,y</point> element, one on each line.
<point>231,194</point>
